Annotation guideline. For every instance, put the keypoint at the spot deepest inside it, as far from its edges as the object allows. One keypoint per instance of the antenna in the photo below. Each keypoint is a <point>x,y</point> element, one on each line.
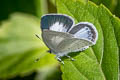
<point>48,51</point>
<point>38,37</point>
<point>38,58</point>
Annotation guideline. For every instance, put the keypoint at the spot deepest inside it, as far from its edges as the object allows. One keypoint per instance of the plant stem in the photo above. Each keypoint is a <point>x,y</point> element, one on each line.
<point>41,7</point>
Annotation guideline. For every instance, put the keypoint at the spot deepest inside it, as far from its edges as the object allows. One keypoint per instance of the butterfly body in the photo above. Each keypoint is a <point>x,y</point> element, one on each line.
<point>62,37</point>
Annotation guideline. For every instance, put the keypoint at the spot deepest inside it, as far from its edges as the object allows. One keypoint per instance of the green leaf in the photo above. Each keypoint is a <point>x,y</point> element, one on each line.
<point>116,23</point>
<point>100,62</point>
<point>110,4</point>
<point>19,47</point>
<point>53,73</point>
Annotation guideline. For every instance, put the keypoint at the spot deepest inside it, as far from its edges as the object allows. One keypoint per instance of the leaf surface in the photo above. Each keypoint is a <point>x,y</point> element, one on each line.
<point>101,61</point>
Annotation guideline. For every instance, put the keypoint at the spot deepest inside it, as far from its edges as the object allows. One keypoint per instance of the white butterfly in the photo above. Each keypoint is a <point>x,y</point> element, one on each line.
<point>62,36</point>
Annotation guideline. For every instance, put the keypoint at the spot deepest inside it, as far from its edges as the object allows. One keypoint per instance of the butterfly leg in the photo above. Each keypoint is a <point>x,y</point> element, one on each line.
<point>70,57</point>
<point>59,59</point>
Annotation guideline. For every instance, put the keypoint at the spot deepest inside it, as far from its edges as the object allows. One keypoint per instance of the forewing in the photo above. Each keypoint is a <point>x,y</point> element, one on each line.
<point>56,22</point>
<point>52,39</point>
<point>85,30</point>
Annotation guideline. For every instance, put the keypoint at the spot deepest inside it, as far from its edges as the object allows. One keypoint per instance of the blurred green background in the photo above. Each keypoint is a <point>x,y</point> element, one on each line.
<point>19,47</point>
<point>34,7</point>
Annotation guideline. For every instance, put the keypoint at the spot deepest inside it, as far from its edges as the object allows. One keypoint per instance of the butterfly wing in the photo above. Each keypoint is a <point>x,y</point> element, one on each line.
<point>56,22</point>
<point>86,31</point>
<point>80,37</point>
<point>72,45</point>
<point>52,39</point>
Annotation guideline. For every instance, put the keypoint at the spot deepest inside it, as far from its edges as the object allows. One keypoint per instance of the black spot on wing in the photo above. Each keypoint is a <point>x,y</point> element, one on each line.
<point>90,31</point>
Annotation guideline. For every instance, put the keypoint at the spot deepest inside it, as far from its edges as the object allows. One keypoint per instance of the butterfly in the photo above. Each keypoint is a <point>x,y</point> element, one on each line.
<point>62,36</point>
